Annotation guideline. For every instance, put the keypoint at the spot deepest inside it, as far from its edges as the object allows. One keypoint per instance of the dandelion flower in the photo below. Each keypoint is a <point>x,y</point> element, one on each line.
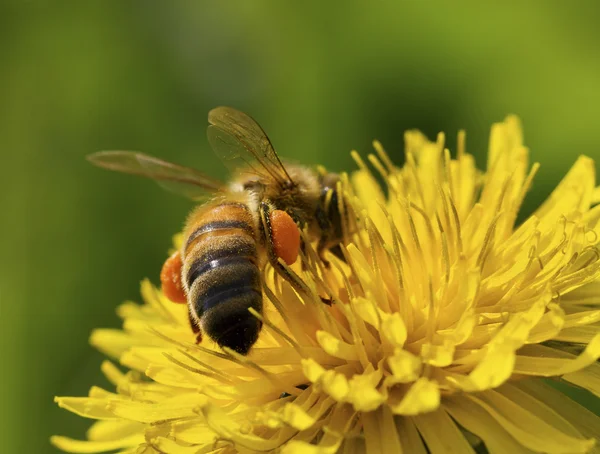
<point>446,314</point>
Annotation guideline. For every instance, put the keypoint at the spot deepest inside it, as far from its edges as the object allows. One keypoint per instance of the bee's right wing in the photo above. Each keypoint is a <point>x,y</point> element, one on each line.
<point>181,180</point>
<point>239,140</point>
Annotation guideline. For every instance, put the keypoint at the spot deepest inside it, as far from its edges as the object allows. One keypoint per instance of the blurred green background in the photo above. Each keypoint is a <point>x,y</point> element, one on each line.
<point>322,78</point>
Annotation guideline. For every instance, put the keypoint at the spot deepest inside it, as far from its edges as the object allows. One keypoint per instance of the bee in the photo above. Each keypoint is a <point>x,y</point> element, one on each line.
<point>254,220</point>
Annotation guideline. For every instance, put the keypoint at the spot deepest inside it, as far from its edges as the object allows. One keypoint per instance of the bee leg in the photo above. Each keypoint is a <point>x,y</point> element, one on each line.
<point>288,275</point>
<point>337,251</point>
<point>327,301</point>
<point>303,250</point>
<point>321,251</point>
<point>294,280</point>
<point>323,246</point>
<point>195,328</point>
<point>333,248</point>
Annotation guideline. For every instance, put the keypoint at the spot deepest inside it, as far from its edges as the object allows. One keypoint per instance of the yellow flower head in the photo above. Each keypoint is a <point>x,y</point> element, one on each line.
<point>444,316</point>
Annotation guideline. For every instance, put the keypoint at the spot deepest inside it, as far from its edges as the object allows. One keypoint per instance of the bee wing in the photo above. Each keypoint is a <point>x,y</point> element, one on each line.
<point>240,142</point>
<point>181,180</point>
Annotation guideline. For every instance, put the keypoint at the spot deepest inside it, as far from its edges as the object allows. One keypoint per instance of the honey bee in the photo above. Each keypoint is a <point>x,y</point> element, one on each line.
<point>252,221</point>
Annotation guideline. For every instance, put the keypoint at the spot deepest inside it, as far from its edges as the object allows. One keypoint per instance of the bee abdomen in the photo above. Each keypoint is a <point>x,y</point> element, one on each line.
<point>222,290</point>
<point>217,281</point>
<point>216,226</point>
<point>222,275</point>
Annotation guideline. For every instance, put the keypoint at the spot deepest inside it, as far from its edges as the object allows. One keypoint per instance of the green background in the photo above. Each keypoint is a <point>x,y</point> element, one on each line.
<point>322,78</point>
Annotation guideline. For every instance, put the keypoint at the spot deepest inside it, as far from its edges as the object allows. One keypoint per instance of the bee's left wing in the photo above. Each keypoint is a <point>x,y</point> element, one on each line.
<point>179,179</point>
<point>240,141</point>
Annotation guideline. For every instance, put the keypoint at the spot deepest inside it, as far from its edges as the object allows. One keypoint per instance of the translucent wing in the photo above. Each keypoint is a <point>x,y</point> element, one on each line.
<point>239,141</point>
<point>181,180</point>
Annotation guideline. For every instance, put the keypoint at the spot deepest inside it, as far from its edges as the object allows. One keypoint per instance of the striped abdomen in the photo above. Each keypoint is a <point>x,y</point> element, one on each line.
<point>222,276</point>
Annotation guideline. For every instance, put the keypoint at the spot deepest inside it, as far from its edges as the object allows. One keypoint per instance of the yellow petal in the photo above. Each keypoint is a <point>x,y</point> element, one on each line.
<point>367,310</point>
<point>588,378</point>
<point>475,419</point>
<point>342,417</point>
<point>163,444</point>
<point>423,396</point>
<point>539,409</point>
<point>336,347</point>
<point>578,334</point>
<point>438,355</point>
<point>106,430</point>
<point>529,430</point>
<point>574,193</point>
<point>584,420</point>
<point>409,436</point>
<point>231,430</point>
<point>193,431</point>
<point>394,330</point>
<point>441,434</point>
<point>405,366</point>
<point>111,342</point>
<point>548,367</point>
<point>69,445</point>
<point>363,393</point>
<point>296,417</point>
<point>177,407</point>
<point>380,432</point>
<point>85,406</point>
<point>112,373</point>
<point>496,367</point>
<point>549,325</point>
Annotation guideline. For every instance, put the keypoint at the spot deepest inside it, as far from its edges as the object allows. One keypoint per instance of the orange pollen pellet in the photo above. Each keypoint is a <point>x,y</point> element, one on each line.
<point>286,236</point>
<point>170,279</point>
